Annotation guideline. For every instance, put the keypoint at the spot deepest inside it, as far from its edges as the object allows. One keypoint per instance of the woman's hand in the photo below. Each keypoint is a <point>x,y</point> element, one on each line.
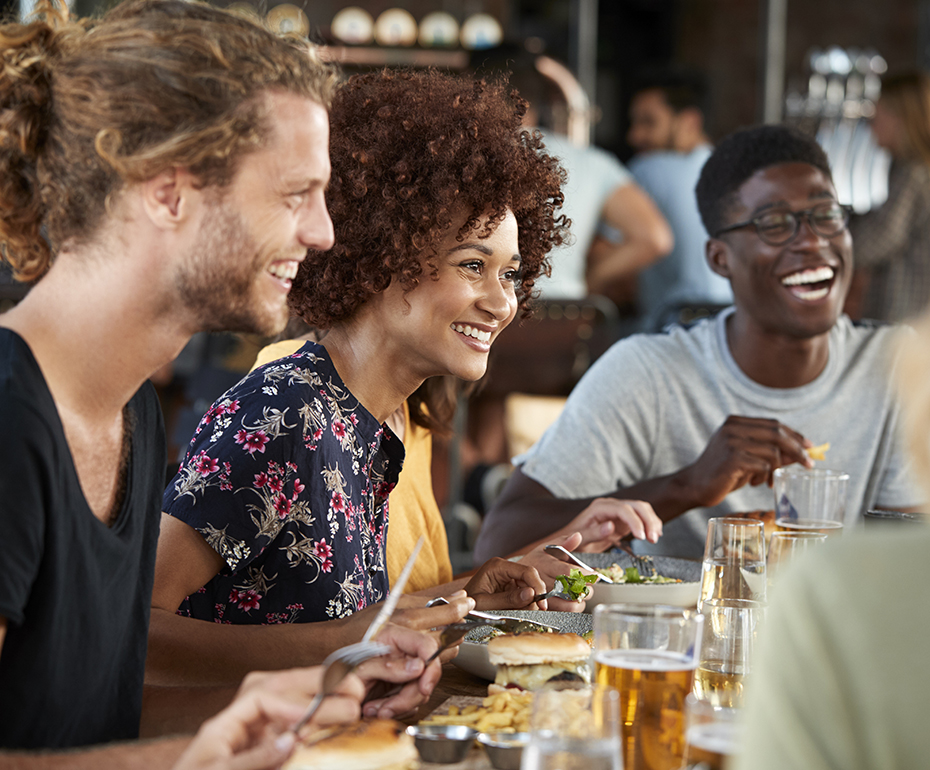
<point>550,568</point>
<point>607,520</point>
<point>399,682</point>
<point>500,584</point>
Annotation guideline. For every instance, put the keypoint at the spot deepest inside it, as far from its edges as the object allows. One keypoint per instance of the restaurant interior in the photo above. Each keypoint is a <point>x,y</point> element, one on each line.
<point>817,66</point>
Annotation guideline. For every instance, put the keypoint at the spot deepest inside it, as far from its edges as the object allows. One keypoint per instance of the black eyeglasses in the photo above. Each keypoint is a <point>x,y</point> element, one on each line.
<point>777,228</point>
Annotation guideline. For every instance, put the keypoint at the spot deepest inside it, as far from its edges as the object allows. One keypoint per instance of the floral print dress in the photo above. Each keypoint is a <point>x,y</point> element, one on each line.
<point>287,478</point>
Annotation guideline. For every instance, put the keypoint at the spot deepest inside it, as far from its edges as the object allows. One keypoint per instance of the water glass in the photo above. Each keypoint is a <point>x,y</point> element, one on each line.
<point>785,547</point>
<point>574,729</point>
<point>731,627</point>
<point>648,653</point>
<point>712,735</point>
<point>734,560</point>
<point>810,500</point>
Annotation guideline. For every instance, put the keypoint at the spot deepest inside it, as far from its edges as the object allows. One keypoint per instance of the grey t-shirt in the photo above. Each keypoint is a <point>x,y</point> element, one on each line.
<point>650,404</point>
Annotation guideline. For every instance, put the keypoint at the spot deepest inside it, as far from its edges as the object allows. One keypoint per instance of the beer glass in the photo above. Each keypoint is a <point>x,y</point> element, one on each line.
<point>574,729</point>
<point>648,653</point>
<point>786,546</point>
<point>810,500</point>
<point>734,560</point>
<point>712,735</point>
<point>731,627</point>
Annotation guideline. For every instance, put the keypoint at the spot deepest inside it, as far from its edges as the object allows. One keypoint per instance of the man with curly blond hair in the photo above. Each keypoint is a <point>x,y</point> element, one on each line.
<point>162,172</point>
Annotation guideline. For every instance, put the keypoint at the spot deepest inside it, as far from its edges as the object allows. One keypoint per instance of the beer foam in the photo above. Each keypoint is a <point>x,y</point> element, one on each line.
<point>646,660</point>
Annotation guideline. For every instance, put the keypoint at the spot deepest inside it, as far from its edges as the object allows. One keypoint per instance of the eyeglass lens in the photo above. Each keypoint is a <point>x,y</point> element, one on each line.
<point>777,227</point>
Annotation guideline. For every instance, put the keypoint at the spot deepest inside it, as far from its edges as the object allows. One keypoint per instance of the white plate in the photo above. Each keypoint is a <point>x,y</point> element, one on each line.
<point>473,652</point>
<point>473,658</point>
<point>684,594</point>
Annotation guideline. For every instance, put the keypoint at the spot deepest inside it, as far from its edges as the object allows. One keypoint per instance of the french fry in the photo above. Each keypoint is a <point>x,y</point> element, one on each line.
<point>818,452</point>
<point>504,712</point>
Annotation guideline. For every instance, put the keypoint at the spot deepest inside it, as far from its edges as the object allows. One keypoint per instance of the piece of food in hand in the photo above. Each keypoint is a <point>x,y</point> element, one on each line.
<point>818,452</point>
<point>375,744</point>
<point>530,661</point>
<point>575,584</point>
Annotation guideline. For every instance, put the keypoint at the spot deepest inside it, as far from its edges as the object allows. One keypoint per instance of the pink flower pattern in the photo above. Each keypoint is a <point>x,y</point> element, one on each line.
<point>291,490</point>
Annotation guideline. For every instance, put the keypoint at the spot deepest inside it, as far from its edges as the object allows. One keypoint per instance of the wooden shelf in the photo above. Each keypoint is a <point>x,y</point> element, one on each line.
<point>393,57</point>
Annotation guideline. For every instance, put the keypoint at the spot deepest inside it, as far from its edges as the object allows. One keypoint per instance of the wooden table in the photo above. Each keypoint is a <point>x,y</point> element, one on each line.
<point>454,682</point>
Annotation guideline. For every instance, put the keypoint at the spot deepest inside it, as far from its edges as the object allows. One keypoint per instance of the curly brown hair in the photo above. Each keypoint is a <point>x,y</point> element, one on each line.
<point>411,152</point>
<point>88,106</point>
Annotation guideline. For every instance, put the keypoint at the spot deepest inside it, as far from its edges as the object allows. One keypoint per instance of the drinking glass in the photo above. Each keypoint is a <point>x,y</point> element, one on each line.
<point>734,560</point>
<point>574,729</point>
<point>786,546</point>
<point>712,734</point>
<point>810,500</point>
<point>731,627</point>
<point>648,653</point>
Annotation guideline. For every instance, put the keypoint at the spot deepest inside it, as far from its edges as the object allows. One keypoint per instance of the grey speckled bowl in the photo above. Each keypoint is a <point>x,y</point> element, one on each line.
<point>567,622</point>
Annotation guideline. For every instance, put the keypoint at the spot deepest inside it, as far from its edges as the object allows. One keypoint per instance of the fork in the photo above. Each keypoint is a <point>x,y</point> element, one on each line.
<point>563,554</point>
<point>337,666</point>
<point>643,564</point>
<point>455,632</point>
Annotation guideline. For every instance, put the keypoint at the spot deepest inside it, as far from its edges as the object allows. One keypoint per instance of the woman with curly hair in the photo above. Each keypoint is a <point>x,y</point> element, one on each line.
<point>444,212</point>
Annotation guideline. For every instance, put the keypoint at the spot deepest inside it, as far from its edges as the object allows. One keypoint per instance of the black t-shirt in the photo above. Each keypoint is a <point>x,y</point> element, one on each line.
<point>76,594</point>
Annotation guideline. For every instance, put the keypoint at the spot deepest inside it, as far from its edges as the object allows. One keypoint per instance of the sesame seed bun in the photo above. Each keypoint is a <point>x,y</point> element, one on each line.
<point>533,648</point>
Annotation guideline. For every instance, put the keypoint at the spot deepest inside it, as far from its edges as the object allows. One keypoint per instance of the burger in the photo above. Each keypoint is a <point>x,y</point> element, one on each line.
<point>376,744</point>
<point>530,661</point>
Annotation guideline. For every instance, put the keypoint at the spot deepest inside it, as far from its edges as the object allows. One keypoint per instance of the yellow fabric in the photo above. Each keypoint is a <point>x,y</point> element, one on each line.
<point>413,512</point>
<point>412,505</point>
<point>277,350</point>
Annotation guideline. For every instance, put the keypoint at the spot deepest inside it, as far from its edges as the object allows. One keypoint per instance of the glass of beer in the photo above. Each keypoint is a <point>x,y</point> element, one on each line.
<point>648,653</point>
<point>574,729</point>
<point>731,627</point>
<point>734,560</point>
<point>810,500</point>
<point>785,546</point>
<point>712,735</point>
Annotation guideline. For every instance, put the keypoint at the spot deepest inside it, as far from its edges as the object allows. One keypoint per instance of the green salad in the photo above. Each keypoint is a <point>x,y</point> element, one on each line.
<point>631,575</point>
<point>575,583</point>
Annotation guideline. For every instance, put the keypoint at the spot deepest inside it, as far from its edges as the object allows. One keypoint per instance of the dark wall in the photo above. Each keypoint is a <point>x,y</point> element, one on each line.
<point>722,38</point>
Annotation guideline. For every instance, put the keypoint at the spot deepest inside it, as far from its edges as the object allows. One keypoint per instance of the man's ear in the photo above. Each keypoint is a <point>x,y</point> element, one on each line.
<point>718,254</point>
<point>169,197</point>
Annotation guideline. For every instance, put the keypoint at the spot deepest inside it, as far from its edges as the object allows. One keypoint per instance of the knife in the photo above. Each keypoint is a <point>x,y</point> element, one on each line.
<point>507,624</point>
<point>394,596</point>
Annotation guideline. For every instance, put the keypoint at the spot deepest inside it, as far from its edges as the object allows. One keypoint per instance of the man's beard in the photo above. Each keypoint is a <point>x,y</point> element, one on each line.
<point>218,281</point>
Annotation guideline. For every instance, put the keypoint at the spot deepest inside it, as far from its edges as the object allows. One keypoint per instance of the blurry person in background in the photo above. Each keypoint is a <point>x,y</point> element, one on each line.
<point>616,230</point>
<point>667,131</point>
<point>841,677</point>
<point>893,241</point>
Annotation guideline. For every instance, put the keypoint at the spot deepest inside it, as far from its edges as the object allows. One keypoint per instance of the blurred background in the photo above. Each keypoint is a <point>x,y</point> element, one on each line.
<point>817,64</point>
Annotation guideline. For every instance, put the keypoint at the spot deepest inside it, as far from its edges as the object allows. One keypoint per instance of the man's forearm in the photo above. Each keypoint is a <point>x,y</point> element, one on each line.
<point>609,263</point>
<point>147,755</point>
<point>527,511</point>
<point>188,652</point>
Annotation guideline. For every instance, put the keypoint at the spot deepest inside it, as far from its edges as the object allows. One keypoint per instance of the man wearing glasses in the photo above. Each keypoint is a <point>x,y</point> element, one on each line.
<point>695,421</point>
